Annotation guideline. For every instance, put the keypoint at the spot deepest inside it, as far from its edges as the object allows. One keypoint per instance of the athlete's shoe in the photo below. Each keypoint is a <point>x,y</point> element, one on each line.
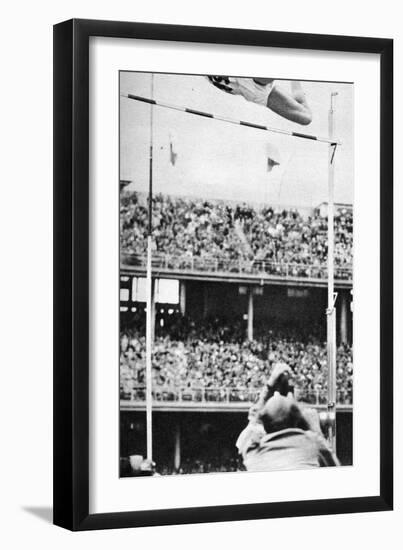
<point>246,87</point>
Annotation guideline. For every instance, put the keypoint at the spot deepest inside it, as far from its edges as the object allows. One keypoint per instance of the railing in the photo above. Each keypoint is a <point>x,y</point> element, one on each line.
<point>248,267</point>
<point>228,395</point>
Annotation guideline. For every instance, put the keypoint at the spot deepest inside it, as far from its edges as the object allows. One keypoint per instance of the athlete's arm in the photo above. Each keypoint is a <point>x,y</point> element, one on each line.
<point>292,106</point>
<point>279,370</point>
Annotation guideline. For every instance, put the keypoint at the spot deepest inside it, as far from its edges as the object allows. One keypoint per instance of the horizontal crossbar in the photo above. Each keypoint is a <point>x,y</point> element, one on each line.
<point>230,120</point>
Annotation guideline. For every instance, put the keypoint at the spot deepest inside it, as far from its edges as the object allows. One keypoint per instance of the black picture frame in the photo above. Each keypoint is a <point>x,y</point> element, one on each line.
<point>71,274</point>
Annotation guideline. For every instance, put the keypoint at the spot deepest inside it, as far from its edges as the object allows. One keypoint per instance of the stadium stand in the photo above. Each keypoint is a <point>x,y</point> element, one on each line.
<point>213,235</point>
<point>213,362</point>
<point>207,368</point>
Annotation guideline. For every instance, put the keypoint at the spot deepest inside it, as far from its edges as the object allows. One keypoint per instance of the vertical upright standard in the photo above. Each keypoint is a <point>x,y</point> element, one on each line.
<point>149,292</point>
<point>331,296</point>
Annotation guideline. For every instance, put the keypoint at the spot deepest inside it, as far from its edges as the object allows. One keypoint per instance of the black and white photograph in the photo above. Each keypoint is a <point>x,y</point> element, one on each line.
<point>236,274</point>
<point>200,282</point>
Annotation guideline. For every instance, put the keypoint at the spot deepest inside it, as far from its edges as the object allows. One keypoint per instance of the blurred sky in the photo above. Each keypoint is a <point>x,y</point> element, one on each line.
<point>217,160</point>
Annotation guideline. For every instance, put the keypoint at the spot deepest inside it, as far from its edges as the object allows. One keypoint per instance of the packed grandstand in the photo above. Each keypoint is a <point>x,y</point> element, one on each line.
<point>214,235</point>
<point>214,362</point>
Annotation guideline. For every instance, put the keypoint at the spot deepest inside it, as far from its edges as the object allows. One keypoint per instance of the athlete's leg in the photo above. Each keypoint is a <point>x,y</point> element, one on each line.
<point>292,106</point>
<point>266,92</point>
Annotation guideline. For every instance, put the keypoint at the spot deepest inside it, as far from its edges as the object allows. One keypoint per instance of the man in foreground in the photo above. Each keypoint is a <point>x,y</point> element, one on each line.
<point>281,434</point>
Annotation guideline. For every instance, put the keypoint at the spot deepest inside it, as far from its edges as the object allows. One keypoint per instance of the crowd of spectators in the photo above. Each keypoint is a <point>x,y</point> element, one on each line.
<point>235,237</point>
<point>213,362</point>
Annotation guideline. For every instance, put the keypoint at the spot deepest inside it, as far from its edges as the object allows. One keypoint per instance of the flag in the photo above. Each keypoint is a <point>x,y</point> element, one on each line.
<point>173,155</point>
<point>273,156</point>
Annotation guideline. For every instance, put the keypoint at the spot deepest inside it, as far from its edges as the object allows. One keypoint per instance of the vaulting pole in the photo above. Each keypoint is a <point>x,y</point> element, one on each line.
<point>149,293</point>
<point>331,297</point>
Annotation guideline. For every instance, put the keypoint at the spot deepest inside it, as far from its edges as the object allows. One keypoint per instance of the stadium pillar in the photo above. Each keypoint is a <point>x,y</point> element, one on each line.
<point>250,313</point>
<point>182,297</point>
<point>343,332</point>
<point>205,301</point>
<point>177,446</point>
